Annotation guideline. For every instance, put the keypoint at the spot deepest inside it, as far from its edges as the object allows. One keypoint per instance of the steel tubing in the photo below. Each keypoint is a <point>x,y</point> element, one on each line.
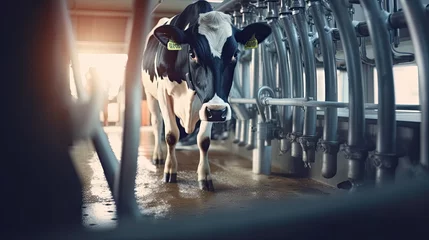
<point>417,19</point>
<point>385,156</point>
<point>283,83</point>
<point>126,204</point>
<point>355,149</point>
<point>302,102</point>
<point>296,76</point>
<point>308,138</point>
<point>329,142</point>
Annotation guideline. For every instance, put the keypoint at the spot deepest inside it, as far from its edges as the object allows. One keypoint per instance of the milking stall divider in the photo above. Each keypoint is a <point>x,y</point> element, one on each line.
<point>278,103</point>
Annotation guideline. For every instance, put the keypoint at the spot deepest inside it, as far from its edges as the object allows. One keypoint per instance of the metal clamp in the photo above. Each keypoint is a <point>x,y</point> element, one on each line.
<point>384,160</point>
<point>329,147</point>
<point>354,152</point>
<point>294,136</point>
<point>308,142</point>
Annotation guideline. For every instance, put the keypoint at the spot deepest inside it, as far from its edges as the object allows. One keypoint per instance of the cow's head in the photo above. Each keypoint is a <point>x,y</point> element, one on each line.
<point>207,57</point>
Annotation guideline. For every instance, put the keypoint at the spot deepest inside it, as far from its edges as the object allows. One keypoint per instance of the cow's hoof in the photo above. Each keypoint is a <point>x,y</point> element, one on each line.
<point>158,161</point>
<point>206,185</point>
<point>170,177</point>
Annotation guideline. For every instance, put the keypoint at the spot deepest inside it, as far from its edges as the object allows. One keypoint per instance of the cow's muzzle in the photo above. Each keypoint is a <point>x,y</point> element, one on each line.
<point>215,111</point>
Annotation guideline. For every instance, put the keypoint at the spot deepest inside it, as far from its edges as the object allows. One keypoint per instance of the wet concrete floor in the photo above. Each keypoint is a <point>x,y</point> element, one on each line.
<point>235,184</point>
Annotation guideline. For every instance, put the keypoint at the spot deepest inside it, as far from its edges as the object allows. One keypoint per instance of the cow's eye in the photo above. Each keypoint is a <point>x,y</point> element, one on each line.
<point>234,57</point>
<point>192,55</point>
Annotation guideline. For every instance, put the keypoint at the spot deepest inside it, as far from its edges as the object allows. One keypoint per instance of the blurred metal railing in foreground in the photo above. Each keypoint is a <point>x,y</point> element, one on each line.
<point>121,177</point>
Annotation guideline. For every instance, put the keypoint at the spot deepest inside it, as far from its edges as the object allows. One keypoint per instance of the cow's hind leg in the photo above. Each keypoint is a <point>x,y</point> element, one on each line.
<point>204,177</point>
<point>156,120</point>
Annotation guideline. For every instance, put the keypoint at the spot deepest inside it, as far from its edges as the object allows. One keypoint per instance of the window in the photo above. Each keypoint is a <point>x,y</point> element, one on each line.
<point>406,84</point>
<point>342,85</point>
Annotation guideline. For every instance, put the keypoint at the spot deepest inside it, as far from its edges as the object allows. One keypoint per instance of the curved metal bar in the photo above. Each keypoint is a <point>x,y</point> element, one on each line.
<point>283,83</point>
<point>355,148</point>
<point>329,142</point>
<point>126,204</point>
<point>108,160</point>
<point>308,138</point>
<point>385,156</point>
<point>417,20</point>
<point>296,76</point>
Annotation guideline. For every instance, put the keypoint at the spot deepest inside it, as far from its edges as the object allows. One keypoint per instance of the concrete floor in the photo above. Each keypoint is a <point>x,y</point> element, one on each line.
<point>235,184</point>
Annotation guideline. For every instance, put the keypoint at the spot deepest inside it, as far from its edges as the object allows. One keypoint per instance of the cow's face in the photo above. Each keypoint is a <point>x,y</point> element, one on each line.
<point>208,56</point>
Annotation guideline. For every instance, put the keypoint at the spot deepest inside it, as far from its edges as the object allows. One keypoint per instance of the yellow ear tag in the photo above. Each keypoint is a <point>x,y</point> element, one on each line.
<point>173,46</point>
<point>252,43</point>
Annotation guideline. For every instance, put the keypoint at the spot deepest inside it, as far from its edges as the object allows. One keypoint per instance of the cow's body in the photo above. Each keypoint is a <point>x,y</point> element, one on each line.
<point>192,83</point>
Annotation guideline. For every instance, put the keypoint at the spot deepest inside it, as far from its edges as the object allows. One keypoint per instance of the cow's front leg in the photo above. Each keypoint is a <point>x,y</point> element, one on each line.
<point>171,137</point>
<point>156,121</point>
<point>203,138</point>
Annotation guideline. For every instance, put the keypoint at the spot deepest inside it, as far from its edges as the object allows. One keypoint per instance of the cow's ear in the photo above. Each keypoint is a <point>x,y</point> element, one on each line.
<point>253,34</point>
<point>170,36</point>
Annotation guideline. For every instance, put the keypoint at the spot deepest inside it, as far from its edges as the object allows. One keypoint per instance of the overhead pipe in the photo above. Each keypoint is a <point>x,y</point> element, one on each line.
<point>296,76</point>
<point>355,149</point>
<point>384,158</point>
<point>283,83</point>
<point>329,142</point>
<point>417,18</point>
<point>308,139</point>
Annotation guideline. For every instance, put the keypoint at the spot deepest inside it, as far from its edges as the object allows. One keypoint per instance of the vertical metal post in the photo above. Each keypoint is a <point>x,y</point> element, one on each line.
<point>329,142</point>
<point>126,204</point>
<point>296,76</point>
<point>385,156</point>
<point>417,20</point>
<point>283,83</point>
<point>253,78</point>
<point>355,150</point>
<point>308,139</point>
<point>238,79</point>
<point>245,60</point>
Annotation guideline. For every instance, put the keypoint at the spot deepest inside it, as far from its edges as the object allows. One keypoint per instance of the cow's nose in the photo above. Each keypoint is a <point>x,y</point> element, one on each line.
<point>216,115</point>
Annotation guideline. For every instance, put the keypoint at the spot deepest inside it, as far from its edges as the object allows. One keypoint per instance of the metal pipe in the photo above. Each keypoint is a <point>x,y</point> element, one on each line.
<point>355,149</point>
<point>384,157</point>
<point>255,75</point>
<point>302,102</point>
<point>226,5</point>
<point>244,66</point>
<point>126,204</point>
<point>296,76</point>
<point>108,160</point>
<point>241,132</point>
<point>308,139</point>
<point>329,142</point>
<point>283,83</point>
<point>417,19</point>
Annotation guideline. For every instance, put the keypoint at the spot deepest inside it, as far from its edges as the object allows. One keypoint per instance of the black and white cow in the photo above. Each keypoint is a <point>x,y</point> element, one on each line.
<point>193,80</point>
